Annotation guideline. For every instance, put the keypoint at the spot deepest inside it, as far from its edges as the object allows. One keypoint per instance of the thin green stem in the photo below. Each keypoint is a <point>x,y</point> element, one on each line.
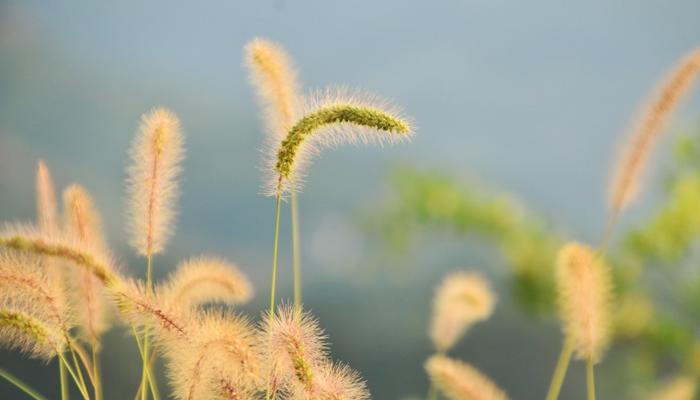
<point>78,372</point>
<point>432,392</point>
<point>97,383</point>
<point>274,273</point>
<point>21,385</point>
<point>152,386</point>
<point>154,389</point>
<point>65,395</point>
<point>560,371</point>
<point>590,379</point>
<point>146,345</point>
<point>296,256</point>
<point>76,349</point>
<point>81,387</point>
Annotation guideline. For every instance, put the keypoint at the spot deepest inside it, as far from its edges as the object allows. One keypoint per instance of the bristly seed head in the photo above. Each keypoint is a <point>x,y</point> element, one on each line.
<point>630,165</point>
<point>20,330</point>
<point>275,80</point>
<point>460,381</point>
<point>156,154</point>
<point>330,118</point>
<point>84,224</point>
<point>584,289</point>
<point>461,300</point>
<point>203,280</point>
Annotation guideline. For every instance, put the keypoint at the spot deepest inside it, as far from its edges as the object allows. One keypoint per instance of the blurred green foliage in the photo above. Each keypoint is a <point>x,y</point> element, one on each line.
<point>655,261</point>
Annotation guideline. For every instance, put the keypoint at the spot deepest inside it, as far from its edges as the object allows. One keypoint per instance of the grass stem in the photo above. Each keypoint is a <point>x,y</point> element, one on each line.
<point>590,379</point>
<point>146,345</point>
<point>296,256</point>
<point>81,387</point>
<point>21,385</point>
<point>560,371</point>
<point>65,395</point>
<point>274,272</point>
<point>97,384</point>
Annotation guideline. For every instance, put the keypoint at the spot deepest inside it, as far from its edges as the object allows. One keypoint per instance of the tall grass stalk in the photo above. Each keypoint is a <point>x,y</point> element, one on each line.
<point>149,372</point>
<point>80,380</point>
<point>64,383</point>
<point>145,375</point>
<point>590,379</point>
<point>560,371</point>
<point>97,384</point>
<point>273,279</point>
<point>81,387</point>
<point>21,385</point>
<point>296,256</point>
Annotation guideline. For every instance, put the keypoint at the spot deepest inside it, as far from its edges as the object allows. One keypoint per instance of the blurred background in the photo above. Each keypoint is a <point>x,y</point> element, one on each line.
<point>518,104</point>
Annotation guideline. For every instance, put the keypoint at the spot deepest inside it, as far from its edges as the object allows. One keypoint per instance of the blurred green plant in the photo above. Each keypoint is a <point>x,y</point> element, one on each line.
<point>654,260</point>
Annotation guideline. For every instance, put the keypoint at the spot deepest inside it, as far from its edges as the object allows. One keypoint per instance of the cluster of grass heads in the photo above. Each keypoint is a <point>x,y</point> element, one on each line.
<point>615,295</point>
<point>62,289</point>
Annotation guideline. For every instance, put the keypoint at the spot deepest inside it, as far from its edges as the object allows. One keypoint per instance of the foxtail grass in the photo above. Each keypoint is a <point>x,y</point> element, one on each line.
<point>459,381</point>
<point>584,290</point>
<point>630,164</point>
<point>461,300</point>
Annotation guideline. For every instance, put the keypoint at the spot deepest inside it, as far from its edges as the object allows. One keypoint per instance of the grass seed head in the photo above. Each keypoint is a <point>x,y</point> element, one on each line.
<point>584,290</point>
<point>152,185</point>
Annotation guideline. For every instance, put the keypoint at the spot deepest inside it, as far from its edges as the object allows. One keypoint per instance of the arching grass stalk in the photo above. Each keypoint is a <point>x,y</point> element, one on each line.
<point>590,379</point>
<point>274,274</point>
<point>560,372</point>
<point>21,385</point>
<point>296,256</point>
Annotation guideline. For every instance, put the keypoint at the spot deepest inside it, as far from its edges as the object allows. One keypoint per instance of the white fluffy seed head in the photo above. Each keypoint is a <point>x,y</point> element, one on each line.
<point>339,382</point>
<point>462,299</point>
<point>28,333</point>
<point>218,359</point>
<point>274,77</point>
<point>584,290</point>
<point>293,348</point>
<point>90,302</point>
<point>460,381</point>
<point>152,183</point>
<point>30,240</point>
<point>631,162</point>
<point>46,209</point>
<point>203,280</point>
<point>26,285</point>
